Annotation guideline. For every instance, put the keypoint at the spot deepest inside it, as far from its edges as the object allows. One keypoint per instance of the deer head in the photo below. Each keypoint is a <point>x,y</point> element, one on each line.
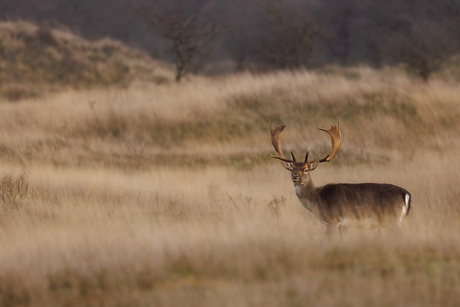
<point>300,170</point>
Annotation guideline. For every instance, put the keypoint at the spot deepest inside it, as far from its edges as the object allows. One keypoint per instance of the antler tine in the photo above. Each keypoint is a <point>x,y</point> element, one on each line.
<point>275,138</point>
<point>336,142</point>
<point>293,157</point>
<point>306,156</point>
<point>282,159</point>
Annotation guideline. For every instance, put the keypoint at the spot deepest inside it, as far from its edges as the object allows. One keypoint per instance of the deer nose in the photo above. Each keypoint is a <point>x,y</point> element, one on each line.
<point>295,177</point>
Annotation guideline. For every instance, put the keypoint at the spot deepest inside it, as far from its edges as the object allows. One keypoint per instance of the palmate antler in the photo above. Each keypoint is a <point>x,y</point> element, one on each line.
<point>275,137</point>
<point>334,134</point>
<point>336,142</point>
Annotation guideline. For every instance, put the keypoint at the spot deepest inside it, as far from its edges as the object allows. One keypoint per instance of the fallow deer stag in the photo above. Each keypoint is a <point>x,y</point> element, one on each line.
<point>342,205</point>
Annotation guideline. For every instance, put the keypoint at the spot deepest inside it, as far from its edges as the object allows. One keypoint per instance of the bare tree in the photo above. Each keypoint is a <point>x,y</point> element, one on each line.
<point>290,37</point>
<point>421,37</point>
<point>424,48</point>
<point>187,33</point>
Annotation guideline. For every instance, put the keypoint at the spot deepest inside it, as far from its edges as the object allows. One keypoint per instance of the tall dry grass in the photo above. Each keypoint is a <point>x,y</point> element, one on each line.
<point>166,195</point>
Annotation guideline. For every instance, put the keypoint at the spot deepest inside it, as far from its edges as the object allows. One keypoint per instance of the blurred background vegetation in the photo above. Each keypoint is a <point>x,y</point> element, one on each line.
<point>217,37</point>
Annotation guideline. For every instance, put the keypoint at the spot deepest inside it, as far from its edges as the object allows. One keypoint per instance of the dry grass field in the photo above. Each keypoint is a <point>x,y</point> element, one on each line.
<point>166,195</point>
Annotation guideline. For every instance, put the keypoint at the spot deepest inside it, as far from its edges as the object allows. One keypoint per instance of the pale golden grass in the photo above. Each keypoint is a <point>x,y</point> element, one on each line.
<point>204,236</point>
<point>115,217</point>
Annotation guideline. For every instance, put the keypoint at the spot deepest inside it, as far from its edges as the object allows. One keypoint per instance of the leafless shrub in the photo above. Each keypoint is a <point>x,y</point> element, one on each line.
<point>423,47</point>
<point>276,204</point>
<point>45,36</point>
<point>188,34</point>
<point>291,36</point>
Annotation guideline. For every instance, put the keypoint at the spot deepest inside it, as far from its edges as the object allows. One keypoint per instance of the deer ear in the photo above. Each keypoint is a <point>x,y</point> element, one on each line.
<point>312,165</point>
<point>288,166</point>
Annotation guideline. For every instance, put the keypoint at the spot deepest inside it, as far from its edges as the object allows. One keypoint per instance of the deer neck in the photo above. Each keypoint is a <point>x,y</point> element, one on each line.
<point>306,192</point>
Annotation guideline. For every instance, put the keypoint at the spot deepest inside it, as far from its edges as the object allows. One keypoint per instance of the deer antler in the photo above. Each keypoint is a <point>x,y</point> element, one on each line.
<point>275,137</point>
<point>334,134</point>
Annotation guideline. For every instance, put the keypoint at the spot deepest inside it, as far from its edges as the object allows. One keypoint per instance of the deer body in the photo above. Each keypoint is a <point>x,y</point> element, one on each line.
<point>363,205</point>
<point>343,205</point>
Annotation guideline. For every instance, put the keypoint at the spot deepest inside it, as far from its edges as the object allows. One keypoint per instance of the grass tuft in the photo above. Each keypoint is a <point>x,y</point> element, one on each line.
<point>13,190</point>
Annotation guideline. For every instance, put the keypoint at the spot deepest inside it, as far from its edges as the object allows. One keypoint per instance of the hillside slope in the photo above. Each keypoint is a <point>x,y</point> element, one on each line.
<point>36,59</point>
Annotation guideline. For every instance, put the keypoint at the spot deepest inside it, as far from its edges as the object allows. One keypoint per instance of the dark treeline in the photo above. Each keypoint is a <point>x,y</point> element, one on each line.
<point>229,35</point>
